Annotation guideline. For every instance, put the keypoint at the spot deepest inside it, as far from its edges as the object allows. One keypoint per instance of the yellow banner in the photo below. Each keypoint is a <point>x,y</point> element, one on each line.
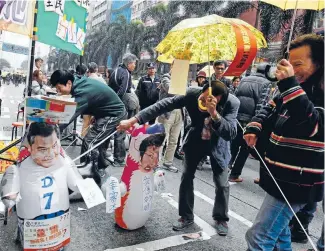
<point>17,16</point>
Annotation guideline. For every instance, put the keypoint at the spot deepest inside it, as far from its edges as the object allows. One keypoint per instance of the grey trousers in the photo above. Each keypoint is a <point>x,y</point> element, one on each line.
<point>193,155</point>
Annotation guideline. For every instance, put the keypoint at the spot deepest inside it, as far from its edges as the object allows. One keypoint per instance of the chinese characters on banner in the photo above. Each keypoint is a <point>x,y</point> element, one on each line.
<point>47,234</point>
<point>246,51</point>
<point>62,24</point>
<point>147,193</point>
<point>90,192</point>
<point>113,195</point>
<point>16,16</point>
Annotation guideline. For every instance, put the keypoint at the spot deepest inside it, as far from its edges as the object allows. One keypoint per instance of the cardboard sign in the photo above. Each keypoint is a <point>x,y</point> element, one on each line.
<point>246,51</point>
<point>50,234</point>
<point>178,79</point>
<point>50,110</point>
<point>90,192</point>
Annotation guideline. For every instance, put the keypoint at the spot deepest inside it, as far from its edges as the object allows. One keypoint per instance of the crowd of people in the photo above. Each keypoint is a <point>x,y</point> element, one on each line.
<point>284,121</point>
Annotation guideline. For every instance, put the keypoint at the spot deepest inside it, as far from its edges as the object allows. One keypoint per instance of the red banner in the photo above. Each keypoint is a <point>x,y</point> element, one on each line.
<point>246,51</point>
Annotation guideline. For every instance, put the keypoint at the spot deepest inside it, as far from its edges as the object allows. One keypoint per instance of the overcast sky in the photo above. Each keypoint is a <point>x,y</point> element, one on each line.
<point>16,59</point>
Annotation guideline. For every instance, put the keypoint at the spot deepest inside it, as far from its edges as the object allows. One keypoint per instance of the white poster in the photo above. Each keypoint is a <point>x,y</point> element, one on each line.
<point>85,4</point>
<point>59,7</point>
<point>49,5</point>
<point>81,35</point>
<point>47,234</point>
<point>178,79</point>
<point>78,2</point>
<point>113,195</point>
<point>90,192</point>
<point>62,28</point>
<point>72,32</point>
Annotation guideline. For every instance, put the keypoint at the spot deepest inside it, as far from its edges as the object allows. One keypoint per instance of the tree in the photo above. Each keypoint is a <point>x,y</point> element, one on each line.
<point>4,63</point>
<point>24,64</point>
<point>64,60</point>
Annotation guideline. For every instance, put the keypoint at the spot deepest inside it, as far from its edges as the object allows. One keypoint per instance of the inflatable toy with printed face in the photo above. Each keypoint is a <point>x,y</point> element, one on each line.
<point>44,144</point>
<point>137,181</point>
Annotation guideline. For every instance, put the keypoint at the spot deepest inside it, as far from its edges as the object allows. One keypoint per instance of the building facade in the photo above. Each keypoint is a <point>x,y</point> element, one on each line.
<point>99,13</point>
<point>120,8</point>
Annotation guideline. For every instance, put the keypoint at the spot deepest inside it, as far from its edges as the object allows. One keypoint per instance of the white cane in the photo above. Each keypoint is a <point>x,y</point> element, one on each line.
<point>261,159</point>
<point>95,146</point>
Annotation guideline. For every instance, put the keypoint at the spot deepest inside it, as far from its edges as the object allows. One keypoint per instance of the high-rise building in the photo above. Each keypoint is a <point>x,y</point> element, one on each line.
<point>139,6</point>
<point>120,8</point>
<point>99,13</point>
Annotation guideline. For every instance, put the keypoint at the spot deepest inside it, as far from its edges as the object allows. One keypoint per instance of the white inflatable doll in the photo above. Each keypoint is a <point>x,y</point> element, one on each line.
<point>138,178</point>
<point>39,185</point>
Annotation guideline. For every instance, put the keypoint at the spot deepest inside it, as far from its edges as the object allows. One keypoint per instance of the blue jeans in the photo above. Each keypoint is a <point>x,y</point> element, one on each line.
<point>271,226</point>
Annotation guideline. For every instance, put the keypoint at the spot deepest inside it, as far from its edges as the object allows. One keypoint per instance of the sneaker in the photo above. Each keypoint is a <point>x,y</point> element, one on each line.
<point>235,179</point>
<point>118,164</point>
<point>181,224</point>
<point>222,228</point>
<point>170,168</point>
<point>257,181</point>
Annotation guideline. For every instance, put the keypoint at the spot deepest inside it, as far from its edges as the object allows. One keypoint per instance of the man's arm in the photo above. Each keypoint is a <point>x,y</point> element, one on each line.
<point>123,81</point>
<point>225,127</point>
<point>161,107</point>
<point>308,120</point>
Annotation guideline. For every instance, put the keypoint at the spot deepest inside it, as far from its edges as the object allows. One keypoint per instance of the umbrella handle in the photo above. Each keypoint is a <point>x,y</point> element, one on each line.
<point>201,106</point>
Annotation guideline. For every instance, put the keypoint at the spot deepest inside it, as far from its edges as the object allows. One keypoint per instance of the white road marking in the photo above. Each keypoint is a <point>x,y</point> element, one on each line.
<point>172,241</point>
<point>12,101</point>
<point>168,242</point>
<point>5,117</point>
<point>231,213</point>
<point>206,227</point>
<point>4,109</point>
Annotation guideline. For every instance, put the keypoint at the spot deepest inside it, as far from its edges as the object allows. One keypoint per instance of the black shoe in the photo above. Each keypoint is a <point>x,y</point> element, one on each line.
<point>179,155</point>
<point>222,228</point>
<point>299,236</point>
<point>182,223</point>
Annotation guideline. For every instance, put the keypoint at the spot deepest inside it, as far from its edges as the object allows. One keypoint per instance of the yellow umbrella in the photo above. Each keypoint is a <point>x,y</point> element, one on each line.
<point>296,4</point>
<point>204,39</point>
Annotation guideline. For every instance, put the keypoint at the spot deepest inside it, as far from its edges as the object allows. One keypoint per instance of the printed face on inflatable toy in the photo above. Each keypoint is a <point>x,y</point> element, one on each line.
<point>149,152</point>
<point>44,143</point>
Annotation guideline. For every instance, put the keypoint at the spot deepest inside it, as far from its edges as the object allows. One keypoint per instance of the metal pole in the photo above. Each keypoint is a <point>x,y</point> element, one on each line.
<point>29,76</point>
<point>292,25</point>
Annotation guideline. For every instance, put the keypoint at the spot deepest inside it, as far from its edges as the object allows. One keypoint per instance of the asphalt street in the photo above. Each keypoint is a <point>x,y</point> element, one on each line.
<point>95,230</point>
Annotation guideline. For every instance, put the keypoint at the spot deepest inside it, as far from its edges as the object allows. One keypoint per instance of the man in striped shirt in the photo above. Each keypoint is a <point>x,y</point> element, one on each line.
<point>294,153</point>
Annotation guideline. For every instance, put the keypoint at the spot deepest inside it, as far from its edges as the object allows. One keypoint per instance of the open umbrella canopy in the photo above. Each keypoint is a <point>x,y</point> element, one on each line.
<point>297,4</point>
<point>204,39</point>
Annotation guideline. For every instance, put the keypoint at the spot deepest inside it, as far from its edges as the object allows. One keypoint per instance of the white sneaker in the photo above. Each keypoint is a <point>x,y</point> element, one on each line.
<point>170,168</point>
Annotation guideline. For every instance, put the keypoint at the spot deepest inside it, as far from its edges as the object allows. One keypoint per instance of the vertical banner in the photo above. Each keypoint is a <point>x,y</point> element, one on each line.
<point>178,79</point>
<point>62,24</point>
<point>246,51</point>
<point>16,16</point>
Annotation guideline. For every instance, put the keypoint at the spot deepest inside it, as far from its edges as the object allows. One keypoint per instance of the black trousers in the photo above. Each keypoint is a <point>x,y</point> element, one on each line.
<point>119,144</point>
<point>193,154</point>
<point>102,128</point>
<point>239,153</point>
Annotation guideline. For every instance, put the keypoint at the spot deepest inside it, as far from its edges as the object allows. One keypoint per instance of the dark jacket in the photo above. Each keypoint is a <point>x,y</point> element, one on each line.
<point>224,80</point>
<point>147,91</point>
<point>295,151</point>
<point>223,130</point>
<point>252,93</point>
<point>120,81</point>
<point>96,99</point>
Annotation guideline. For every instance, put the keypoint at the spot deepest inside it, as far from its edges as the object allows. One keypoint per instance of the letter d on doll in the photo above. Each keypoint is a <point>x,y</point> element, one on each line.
<point>47,181</point>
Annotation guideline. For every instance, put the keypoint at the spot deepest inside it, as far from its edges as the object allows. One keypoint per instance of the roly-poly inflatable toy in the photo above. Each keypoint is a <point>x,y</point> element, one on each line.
<point>137,182</point>
<point>39,185</point>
